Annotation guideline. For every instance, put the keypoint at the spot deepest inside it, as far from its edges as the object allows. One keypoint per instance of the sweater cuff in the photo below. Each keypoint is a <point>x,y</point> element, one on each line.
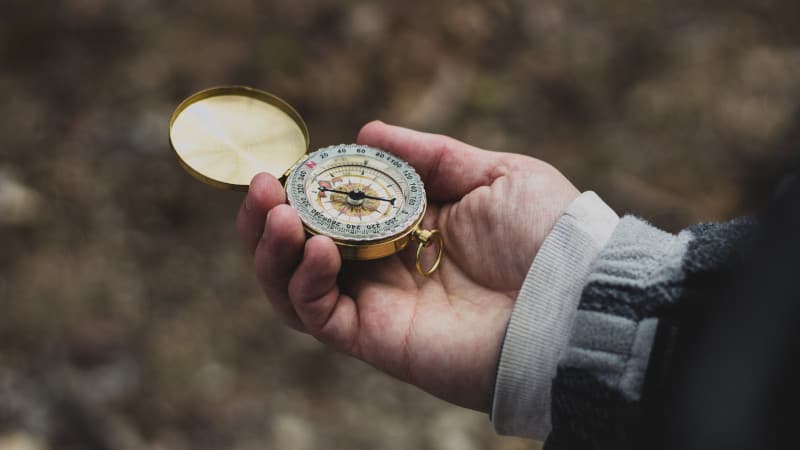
<point>542,318</point>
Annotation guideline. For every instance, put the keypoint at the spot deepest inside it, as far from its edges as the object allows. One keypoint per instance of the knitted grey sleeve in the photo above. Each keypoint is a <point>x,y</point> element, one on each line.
<point>641,273</point>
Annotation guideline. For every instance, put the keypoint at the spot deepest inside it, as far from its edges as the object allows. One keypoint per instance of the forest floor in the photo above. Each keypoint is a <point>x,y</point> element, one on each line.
<point>130,317</point>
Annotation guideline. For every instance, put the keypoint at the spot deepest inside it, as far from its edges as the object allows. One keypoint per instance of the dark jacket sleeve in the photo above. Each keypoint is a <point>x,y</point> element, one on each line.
<point>626,327</point>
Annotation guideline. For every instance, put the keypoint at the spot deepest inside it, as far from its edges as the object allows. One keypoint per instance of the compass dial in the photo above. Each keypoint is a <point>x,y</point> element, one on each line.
<point>356,193</point>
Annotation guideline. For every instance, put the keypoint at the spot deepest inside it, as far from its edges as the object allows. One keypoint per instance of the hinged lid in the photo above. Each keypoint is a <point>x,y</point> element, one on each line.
<point>224,136</point>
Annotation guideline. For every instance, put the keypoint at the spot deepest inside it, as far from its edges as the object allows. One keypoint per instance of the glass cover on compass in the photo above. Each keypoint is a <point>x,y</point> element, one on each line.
<point>356,193</point>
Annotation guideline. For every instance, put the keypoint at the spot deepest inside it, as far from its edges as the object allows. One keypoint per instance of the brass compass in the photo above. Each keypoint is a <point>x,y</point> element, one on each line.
<point>369,201</point>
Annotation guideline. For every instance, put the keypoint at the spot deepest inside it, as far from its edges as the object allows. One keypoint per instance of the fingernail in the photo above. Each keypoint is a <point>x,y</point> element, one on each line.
<point>266,223</point>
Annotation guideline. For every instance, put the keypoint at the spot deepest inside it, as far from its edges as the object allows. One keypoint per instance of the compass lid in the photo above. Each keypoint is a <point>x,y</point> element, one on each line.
<point>224,136</point>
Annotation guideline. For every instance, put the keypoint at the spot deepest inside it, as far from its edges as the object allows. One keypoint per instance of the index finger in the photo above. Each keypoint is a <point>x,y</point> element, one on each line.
<point>265,192</point>
<point>448,167</point>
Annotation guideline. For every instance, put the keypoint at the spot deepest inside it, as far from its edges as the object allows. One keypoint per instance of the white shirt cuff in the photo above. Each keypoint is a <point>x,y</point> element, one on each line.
<point>542,318</point>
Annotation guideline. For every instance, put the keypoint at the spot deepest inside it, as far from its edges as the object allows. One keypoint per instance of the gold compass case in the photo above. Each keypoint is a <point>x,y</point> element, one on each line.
<point>224,136</point>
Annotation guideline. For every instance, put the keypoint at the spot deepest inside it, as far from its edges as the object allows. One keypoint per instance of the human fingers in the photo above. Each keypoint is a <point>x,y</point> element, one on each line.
<point>265,193</point>
<point>326,314</point>
<point>448,167</point>
<point>276,256</point>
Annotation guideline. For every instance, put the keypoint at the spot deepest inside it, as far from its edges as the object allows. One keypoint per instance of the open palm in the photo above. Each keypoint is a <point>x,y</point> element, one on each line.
<point>442,333</point>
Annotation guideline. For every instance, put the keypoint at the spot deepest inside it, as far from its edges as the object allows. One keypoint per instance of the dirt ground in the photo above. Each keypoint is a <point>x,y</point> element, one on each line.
<point>129,315</point>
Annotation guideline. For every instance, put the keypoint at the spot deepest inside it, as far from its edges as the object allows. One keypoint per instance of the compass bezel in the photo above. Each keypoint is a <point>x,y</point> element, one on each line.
<point>367,245</point>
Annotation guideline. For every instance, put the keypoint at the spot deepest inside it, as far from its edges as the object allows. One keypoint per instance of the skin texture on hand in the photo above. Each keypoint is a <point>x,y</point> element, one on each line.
<point>442,333</point>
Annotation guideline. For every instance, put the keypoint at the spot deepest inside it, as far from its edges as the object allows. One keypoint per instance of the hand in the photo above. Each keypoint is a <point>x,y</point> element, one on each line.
<point>442,333</point>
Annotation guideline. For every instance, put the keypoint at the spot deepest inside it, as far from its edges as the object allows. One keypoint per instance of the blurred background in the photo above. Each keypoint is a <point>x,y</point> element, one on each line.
<point>129,317</point>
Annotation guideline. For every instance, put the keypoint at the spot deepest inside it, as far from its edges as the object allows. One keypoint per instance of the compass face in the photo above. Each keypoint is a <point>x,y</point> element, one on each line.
<point>356,193</point>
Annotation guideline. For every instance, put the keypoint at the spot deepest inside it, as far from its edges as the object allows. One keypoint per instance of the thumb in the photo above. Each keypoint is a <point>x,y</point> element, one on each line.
<point>448,167</point>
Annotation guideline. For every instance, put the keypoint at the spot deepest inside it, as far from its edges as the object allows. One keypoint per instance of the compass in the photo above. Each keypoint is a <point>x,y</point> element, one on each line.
<point>368,201</point>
